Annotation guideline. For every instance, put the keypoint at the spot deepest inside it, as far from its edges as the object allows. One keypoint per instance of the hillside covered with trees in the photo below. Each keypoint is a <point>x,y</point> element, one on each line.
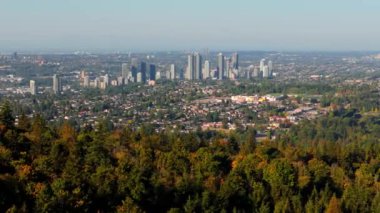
<point>331,164</point>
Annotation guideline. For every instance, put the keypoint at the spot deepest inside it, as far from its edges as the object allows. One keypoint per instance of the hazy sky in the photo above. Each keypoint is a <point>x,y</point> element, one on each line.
<point>125,25</point>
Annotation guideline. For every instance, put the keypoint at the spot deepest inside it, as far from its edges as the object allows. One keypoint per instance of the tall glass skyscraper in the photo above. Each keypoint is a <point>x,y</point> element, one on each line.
<point>221,66</point>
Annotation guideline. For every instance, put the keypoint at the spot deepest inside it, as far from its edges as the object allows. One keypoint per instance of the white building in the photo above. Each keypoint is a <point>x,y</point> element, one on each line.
<point>206,70</point>
<point>57,85</point>
<point>33,87</point>
<point>266,72</point>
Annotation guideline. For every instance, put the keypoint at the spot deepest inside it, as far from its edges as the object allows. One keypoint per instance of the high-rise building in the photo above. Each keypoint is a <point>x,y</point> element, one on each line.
<point>250,71</point>
<point>33,87</point>
<point>270,67</point>
<point>266,71</point>
<point>143,72</point>
<point>190,74</point>
<point>125,70</point>
<point>262,64</point>
<point>207,70</point>
<point>134,69</point>
<point>152,72</point>
<point>256,72</point>
<point>194,67</point>
<point>172,72</point>
<point>235,61</point>
<point>57,86</point>
<point>221,66</point>
<point>198,66</point>
<point>86,81</point>
<point>134,62</point>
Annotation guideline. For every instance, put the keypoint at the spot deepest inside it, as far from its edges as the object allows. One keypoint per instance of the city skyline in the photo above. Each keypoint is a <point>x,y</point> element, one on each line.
<point>165,25</point>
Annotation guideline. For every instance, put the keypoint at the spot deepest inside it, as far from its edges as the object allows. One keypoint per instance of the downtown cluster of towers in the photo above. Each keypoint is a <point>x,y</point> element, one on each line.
<point>196,69</point>
<point>226,68</point>
<point>137,72</point>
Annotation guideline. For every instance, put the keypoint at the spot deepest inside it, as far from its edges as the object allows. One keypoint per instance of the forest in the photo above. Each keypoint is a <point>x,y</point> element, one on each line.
<point>331,164</point>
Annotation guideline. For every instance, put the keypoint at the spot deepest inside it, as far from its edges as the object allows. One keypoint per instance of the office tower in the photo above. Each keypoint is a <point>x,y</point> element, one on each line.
<point>57,86</point>
<point>266,71</point>
<point>235,61</point>
<point>172,72</point>
<point>143,72</point>
<point>190,74</point>
<point>262,64</point>
<point>125,70</point>
<point>182,73</point>
<point>256,72</point>
<point>270,67</point>
<point>250,72</point>
<point>134,69</point>
<point>86,81</point>
<point>221,66</point>
<point>198,66</point>
<point>206,70</point>
<point>228,67</point>
<point>152,72</point>
<point>134,62</point>
<point>33,87</point>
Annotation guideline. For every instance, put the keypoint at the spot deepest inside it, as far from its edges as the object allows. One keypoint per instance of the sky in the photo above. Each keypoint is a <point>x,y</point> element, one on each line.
<point>168,25</point>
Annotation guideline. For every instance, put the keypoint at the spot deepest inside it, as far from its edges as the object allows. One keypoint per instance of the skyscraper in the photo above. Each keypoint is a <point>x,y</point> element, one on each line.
<point>256,72</point>
<point>262,64</point>
<point>235,61</point>
<point>198,66</point>
<point>266,71</point>
<point>33,87</point>
<point>143,72</point>
<point>228,67</point>
<point>221,66</point>
<point>57,86</point>
<point>190,74</point>
<point>270,67</point>
<point>152,72</point>
<point>206,70</point>
<point>134,69</point>
<point>125,71</point>
<point>172,72</point>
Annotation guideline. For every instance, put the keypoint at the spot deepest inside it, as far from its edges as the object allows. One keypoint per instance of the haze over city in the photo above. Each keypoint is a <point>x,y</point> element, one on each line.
<point>147,25</point>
